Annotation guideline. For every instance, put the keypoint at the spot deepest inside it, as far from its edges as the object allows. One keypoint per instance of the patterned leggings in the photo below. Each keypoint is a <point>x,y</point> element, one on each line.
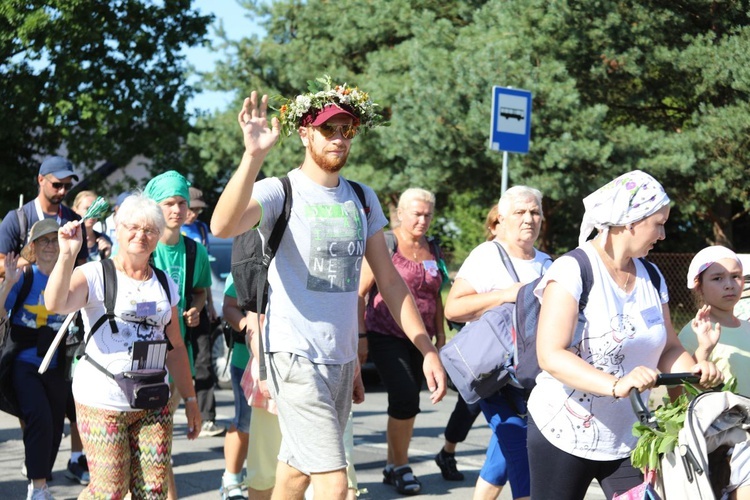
<point>126,451</point>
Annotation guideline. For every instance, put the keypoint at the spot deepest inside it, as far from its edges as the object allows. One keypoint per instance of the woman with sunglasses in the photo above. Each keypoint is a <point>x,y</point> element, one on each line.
<point>41,397</point>
<point>128,449</point>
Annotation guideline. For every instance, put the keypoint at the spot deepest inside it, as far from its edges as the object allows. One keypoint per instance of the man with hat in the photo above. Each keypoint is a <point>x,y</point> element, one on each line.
<point>310,332</point>
<point>55,179</point>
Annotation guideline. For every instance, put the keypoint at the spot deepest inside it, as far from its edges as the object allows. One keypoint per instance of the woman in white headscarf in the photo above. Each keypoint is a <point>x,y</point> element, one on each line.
<point>579,422</point>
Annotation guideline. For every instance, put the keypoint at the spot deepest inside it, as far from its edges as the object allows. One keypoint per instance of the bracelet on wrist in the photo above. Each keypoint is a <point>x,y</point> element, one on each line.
<point>191,398</point>
<point>614,386</point>
<point>362,335</point>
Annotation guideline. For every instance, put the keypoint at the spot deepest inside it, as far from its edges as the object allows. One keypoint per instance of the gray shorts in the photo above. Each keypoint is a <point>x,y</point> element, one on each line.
<point>314,402</point>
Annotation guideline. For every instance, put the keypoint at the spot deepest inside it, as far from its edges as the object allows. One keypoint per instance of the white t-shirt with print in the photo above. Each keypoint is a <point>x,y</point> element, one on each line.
<point>91,387</point>
<point>622,331</point>
<point>313,281</point>
<point>484,270</point>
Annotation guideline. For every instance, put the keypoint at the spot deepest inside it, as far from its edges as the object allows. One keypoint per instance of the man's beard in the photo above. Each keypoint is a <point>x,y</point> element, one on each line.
<point>54,199</point>
<point>326,163</point>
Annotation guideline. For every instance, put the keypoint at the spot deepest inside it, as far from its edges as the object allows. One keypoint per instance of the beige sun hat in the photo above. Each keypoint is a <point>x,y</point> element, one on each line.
<point>39,229</point>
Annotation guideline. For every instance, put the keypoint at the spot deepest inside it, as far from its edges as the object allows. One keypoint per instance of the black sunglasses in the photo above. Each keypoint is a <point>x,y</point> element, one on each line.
<point>60,185</point>
<point>347,131</point>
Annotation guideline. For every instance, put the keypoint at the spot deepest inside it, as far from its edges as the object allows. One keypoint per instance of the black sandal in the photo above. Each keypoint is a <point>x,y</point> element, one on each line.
<point>404,486</point>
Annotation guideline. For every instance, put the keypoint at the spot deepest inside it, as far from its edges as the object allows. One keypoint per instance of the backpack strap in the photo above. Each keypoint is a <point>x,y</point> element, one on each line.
<point>653,274</point>
<point>360,192</point>
<point>391,241</point>
<point>269,252</point>
<point>587,275</point>
<point>109,283</point>
<point>507,262</point>
<point>23,226</point>
<point>162,277</point>
<point>23,293</point>
<point>191,250</point>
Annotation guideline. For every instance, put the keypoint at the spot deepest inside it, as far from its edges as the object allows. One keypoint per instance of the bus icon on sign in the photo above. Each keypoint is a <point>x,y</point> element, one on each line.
<point>509,113</point>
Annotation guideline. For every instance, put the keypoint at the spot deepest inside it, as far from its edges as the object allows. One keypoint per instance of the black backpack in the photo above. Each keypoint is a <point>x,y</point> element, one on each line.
<point>250,260</point>
<point>9,349</point>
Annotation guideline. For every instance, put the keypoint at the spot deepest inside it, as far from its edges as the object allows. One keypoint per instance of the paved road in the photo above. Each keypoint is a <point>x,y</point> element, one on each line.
<point>199,464</point>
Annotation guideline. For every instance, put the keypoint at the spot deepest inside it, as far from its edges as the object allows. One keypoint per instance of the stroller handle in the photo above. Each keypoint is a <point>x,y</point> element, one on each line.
<point>639,407</point>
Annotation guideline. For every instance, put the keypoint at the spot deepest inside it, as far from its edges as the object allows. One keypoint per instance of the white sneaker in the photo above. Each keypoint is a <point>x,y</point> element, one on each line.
<point>233,491</point>
<point>42,493</point>
<point>210,429</point>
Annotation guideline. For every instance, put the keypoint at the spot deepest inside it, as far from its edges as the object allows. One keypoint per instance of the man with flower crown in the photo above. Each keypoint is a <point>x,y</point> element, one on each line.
<point>310,331</point>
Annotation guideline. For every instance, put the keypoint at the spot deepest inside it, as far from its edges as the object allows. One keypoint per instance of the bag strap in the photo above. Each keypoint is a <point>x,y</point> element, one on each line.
<point>191,249</point>
<point>23,227</point>
<point>162,277</point>
<point>109,284</point>
<point>507,262</point>
<point>23,293</point>
<point>587,275</point>
<point>653,274</point>
<point>391,241</point>
<point>360,192</point>
<point>269,252</point>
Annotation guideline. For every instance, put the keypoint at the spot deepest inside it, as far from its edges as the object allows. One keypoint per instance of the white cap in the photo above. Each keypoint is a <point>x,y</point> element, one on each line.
<point>705,258</point>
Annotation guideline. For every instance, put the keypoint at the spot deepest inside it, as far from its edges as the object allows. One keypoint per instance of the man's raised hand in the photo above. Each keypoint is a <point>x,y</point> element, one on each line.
<point>253,119</point>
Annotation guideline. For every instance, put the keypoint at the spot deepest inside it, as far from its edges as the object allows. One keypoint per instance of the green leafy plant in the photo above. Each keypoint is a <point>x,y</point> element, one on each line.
<point>669,419</point>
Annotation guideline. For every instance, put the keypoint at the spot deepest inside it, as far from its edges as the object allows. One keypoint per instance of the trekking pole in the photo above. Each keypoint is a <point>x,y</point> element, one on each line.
<point>56,342</point>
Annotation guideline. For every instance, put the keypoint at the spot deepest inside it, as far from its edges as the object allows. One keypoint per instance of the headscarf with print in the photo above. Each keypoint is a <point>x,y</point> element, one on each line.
<point>629,198</point>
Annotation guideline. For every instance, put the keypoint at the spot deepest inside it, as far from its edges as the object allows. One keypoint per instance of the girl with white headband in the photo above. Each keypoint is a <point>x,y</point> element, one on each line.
<point>716,334</point>
<point>578,421</point>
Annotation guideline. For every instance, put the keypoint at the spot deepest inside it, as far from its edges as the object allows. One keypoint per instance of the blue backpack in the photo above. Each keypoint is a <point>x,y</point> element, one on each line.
<point>500,347</point>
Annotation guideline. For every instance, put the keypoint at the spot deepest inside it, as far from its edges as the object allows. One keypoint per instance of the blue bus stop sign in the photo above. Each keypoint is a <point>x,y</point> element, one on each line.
<point>511,120</point>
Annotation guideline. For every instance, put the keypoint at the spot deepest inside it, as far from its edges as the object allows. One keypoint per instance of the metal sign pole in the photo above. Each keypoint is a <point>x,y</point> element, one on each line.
<point>504,185</point>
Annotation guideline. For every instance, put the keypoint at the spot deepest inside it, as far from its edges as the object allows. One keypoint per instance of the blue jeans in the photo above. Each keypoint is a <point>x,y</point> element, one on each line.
<point>242,410</point>
<point>507,457</point>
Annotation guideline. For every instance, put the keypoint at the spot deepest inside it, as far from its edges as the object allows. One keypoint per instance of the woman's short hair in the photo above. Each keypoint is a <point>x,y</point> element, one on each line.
<point>418,194</point>
<point>490,222</point>
<point>510,196</point>
<point>80,197</point>
<point>139,208</point>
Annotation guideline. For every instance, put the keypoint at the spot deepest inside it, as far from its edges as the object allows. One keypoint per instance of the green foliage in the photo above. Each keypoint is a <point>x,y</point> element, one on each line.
<point>105,79</point>
<point>669,418</point>
<point>660,86</point>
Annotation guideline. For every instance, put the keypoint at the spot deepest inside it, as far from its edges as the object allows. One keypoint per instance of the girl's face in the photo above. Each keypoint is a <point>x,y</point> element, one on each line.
<point>721,284</point>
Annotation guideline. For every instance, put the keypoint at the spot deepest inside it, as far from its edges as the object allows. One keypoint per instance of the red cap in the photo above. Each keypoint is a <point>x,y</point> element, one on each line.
<point>328,112</point>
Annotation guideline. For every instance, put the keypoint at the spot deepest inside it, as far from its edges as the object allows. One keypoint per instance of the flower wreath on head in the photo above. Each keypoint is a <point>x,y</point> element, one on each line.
<point>323,92</point>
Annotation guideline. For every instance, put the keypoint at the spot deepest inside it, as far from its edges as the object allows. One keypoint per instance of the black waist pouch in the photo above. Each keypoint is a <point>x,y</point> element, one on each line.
<point>144,389</point>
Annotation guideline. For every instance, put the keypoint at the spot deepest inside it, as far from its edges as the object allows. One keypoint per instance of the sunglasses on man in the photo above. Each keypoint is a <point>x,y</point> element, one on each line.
<point>60,185</point>
<point>328,130</point>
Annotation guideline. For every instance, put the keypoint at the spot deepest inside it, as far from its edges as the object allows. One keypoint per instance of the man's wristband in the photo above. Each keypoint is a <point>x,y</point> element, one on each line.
<point>362,335</point>
<point>191,398</point>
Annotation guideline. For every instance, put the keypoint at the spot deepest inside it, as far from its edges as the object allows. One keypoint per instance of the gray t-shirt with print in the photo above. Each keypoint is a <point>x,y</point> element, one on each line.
<point>314,278</point>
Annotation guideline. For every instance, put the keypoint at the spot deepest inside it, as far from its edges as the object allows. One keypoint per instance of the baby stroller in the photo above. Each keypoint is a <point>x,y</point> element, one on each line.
<point>715,422</point>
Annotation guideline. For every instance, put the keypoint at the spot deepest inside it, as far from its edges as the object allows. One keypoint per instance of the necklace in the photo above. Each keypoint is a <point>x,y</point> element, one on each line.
<point>415,245</point>
<point>139,282</point>
<point>610,264</point>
